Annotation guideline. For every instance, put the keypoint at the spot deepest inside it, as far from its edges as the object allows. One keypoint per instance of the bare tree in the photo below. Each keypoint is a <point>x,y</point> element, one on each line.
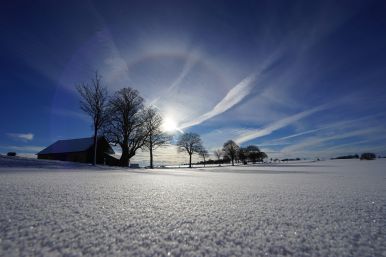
<point>93,102</point>
<point>231,150</point>
<point>204,154</point>
<point>190,143</point>
<point>218,153</point>
<point>155,137</point>
<point>126,123</point>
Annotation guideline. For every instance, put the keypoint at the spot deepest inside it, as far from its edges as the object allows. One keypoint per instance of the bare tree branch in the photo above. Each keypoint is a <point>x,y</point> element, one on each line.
<point>93,102</point>
<point>231,150</point>
<point>126,123</point>
<point>155,137</point>
<point>204,154</point>
<point>190,143</point>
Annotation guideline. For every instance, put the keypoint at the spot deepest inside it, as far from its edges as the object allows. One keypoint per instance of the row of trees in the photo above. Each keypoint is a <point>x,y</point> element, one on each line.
<point>126,122</point>
<point>191,143</point>
<point>236,153</point>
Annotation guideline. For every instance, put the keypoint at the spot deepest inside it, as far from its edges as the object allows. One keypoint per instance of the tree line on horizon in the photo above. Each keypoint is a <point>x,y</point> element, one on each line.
<point>126,122</point>
<point>231,152</point>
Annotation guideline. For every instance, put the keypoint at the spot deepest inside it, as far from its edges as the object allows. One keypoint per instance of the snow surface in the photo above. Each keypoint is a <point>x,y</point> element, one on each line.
<point>22,162</point>
<point>328,208</point>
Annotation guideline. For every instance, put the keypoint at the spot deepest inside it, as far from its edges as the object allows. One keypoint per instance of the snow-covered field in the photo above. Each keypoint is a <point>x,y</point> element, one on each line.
<point>329,208</point>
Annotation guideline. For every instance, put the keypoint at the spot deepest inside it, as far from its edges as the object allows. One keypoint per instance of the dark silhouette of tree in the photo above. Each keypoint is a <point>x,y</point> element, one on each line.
<point>226,159</point>
<point>355,156</point>
<point>155,136</point>
<point>243,155</point>
<point>94,98</point>
<point>231,150</point>
<point>204,154</point>
<point>262,156</point>
<point>253,153</point>
<point>190,143</point>
<point>368,156</point>
<point>126,123</point>
<point>218,153</point>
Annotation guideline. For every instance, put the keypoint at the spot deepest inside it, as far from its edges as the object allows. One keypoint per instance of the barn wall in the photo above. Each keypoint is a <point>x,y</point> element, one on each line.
<point>86,156</point>
<point>70,157</point>
<point>83,157</point>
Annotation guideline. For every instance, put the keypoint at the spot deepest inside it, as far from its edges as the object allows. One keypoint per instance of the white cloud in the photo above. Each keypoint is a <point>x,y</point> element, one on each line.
<point>215,139</point>
<point>318,141</point>
<point>73,114</point>
<point>278,125</point>
<point>22,149</point>
<point>236,94</point>
<point>233,97</point>
<point>21,136</point>
<point>340,124</point>
<point>191,61</point>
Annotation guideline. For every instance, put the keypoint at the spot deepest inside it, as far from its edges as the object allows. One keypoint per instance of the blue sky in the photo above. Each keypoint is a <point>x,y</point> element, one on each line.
<point>297,78</point>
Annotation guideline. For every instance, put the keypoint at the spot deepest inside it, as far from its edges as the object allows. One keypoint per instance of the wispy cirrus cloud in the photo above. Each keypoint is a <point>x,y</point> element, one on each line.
<point>70,113</point>
<point>238,93</point>
<point>375,144</point>
<point>247,136</point>
<point>190,62</point>
<point>22,149</point>
<point>21,136</point>
<point>340,124</point>
<point>319,140</point>
<point>233,97</point>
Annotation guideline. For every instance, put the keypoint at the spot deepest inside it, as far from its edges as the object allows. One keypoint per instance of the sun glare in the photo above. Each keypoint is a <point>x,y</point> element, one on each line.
<point>169,125</point>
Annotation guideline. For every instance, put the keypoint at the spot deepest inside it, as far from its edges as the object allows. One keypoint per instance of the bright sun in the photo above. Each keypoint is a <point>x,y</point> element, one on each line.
<point>169,125</point>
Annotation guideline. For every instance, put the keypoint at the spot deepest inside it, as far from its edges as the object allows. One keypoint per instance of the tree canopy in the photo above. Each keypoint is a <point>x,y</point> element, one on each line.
<point>190,143</point>
<point>231,150</point>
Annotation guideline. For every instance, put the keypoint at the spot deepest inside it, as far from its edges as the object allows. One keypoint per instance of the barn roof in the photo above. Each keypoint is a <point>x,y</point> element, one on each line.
<point>72,145</point>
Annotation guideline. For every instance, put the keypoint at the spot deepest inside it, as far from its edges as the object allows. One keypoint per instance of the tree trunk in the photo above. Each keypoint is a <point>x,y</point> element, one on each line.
<point>233,162</point>
<point>124,161</point>
<point>190,160</point>
<point>151,156</point>
<point>95,145</point>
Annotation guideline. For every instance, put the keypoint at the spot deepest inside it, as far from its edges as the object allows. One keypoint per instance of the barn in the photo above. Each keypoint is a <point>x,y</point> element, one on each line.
<point>80,150</point>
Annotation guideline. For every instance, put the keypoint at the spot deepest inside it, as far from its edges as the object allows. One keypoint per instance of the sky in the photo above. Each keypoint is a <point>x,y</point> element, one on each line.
<point>296,78</point>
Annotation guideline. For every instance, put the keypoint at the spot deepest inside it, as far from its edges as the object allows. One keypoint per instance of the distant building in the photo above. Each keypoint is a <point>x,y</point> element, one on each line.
<point>80,150</point>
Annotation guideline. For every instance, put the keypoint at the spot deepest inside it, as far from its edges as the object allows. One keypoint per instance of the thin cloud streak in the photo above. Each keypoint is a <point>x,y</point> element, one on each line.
<point>356,147</point>
<point>302,133</point>
<point>189,64</point>
<point>236,94</point>
<point>341,124</point>
<point>233,97</point>
<point>318,141</point>
<point>278,125</point>
<point>22,149</point>
<point>21,136</point>
<point>70,113</point>
<point>358,143</point>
